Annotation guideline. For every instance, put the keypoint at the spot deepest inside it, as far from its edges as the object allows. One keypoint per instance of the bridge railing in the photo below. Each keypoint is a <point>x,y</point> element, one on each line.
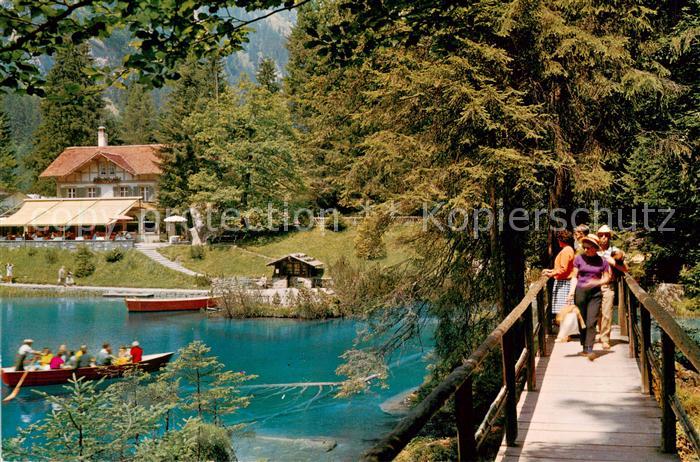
<point>641,308</point>
<point>459,383</point>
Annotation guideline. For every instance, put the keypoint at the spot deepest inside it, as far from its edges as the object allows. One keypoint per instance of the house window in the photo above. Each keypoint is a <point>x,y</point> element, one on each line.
<point>145,193</point>
<point>103,169</point>
<point>123,191</point>
<point>71,193</point>
<point>91,192</point>
<point>111,170</point>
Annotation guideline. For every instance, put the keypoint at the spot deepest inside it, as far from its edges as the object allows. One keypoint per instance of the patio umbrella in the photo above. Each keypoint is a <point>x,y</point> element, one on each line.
<point>123,218</point>
<point>175,219</point>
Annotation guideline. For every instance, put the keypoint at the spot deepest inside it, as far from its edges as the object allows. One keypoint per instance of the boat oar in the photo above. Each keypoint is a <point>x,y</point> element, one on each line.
<point>12,395</point>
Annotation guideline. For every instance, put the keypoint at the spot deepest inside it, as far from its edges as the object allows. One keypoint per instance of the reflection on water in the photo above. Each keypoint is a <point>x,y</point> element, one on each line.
<point>293,415</point>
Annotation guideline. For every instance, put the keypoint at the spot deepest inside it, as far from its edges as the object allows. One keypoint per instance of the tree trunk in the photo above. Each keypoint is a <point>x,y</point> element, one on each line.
<point>200,231</point>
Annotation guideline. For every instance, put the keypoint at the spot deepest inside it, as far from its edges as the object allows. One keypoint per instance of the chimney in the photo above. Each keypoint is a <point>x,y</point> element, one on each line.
<point>101,137</point>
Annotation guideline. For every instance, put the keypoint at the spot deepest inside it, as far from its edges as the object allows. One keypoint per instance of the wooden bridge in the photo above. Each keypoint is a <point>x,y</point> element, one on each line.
<point>571,408</point>
<point>587,410</point>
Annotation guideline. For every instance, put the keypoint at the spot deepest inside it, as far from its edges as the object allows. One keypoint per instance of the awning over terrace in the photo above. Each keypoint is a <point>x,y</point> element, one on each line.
<point>71,212</point>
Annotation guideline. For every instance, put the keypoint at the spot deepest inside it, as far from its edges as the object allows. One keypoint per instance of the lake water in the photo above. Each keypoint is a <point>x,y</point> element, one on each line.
<point>288,422</point>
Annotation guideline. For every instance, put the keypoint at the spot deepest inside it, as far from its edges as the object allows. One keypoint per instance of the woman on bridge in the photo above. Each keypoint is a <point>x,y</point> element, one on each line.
<point>591,271</point>
<point>563,270</point>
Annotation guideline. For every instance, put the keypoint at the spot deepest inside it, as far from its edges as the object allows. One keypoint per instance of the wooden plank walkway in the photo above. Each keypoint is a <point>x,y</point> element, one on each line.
<point>587,410</point>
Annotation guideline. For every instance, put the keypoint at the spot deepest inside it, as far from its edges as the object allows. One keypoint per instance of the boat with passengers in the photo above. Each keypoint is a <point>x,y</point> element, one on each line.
<point>39,377</point>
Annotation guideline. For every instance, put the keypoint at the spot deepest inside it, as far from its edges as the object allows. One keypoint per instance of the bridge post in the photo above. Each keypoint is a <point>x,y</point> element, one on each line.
<point>511,407</point>
<point>543,322</point>
<point>632,308</point>
<point>621,307</point>
<point>644,349</point>
<point>530,346</point>
<point>668,391</point>
<point>464,413</point>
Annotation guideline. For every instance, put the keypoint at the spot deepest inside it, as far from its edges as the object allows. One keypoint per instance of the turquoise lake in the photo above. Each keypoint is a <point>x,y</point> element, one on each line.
<point>298,421</point>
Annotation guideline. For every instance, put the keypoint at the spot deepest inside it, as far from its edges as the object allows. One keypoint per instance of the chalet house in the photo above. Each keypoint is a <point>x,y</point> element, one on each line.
<point>107,171</point>
<point>104,194</point>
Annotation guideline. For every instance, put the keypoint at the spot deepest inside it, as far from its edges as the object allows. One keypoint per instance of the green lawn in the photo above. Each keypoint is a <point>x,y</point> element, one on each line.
<point>134,270</point>
<point>327,246</point>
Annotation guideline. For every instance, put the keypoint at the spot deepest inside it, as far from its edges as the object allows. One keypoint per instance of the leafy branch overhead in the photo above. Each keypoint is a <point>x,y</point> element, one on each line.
<point>164,34</point>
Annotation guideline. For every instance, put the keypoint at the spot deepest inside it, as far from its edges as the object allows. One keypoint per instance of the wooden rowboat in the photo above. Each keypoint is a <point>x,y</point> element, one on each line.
<point>169,304</point>
<point>149,363</point>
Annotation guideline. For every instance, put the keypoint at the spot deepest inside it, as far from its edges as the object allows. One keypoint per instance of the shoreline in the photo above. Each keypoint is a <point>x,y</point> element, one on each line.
<point>25,290</point>
<point>39,290</point>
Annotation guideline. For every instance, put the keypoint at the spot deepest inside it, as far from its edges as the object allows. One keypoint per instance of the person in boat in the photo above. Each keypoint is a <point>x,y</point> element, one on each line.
<point>46,357</point>
<point>35,363</point>
<point>136,352</point>
<point>104,357</point>
<point>123,357</point>
<point>57,362</point>
<point>24,353</point>
<point>83,357</point>
<point>63,353</point>
<point>72,362</point>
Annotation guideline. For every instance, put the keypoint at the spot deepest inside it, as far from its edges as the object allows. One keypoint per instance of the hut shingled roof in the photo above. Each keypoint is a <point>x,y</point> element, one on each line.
<point>302,257</point>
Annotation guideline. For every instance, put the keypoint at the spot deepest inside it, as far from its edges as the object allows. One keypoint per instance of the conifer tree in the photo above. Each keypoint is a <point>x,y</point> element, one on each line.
<point>8,161</point>
<point>498,105</point>
<point>138,120</point>
<point>70,112</point>
<point>244,145</point>
<point>200,82</point>
<point>267,75</point>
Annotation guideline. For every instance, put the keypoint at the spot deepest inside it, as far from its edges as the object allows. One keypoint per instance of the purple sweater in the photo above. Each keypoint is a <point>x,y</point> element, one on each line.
<point>590,268</point>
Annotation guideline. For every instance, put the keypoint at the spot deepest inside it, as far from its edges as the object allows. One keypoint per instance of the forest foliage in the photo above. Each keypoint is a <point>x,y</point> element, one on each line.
<point>406,107</point>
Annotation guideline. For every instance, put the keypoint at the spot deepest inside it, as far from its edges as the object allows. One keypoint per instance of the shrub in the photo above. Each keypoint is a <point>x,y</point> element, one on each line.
<point>369,244</point>
<point>335,222</point>
<point>690,278</point>
<point>197,252</point>
<point>313,305</point>
<point>84,262</point>
<point>114,255</point>
<point>51,256</point>
<point>202,280</point>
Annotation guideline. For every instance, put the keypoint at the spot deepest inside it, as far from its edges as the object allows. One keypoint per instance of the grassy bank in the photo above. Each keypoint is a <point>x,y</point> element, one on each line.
<point>249,258</point>
<point>40,266</point>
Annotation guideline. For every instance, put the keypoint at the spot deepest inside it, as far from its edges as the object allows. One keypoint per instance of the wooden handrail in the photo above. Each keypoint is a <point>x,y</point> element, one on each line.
<point>390,446</point>
<point>672,336</point>
<point>680,338</point>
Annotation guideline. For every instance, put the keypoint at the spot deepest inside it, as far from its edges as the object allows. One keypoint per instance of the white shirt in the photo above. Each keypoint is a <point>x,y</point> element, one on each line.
<point>24,350</point>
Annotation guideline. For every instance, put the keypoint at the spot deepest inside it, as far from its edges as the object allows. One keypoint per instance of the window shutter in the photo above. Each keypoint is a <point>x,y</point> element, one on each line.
<point>80,192</point>
<point>115,191</point>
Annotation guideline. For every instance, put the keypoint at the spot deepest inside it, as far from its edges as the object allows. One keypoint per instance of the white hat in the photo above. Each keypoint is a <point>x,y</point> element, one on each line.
<point>135,343</point>
<point>28,340</point>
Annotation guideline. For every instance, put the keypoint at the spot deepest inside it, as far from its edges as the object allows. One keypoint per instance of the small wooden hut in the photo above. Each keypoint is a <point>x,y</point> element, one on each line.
<point>297,267</point>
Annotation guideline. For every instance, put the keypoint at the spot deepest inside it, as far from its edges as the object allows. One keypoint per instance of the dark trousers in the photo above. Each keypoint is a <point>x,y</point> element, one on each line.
<point>588,302</point>
<point>19,362</point>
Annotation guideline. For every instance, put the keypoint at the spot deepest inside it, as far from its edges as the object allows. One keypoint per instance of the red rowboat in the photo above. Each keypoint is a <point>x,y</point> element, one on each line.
<point>149,363</point>
<point>169,304</point>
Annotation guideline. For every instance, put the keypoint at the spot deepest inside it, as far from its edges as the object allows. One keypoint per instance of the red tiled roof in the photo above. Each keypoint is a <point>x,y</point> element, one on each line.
<point>141,159</point>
